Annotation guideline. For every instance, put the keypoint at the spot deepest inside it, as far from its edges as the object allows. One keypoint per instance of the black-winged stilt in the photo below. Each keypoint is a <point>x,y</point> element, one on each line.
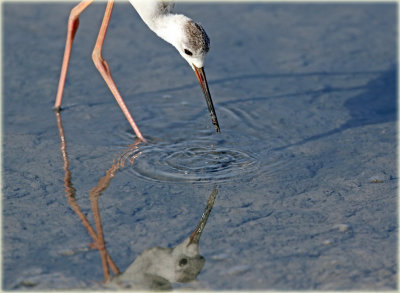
<point>187,36</point>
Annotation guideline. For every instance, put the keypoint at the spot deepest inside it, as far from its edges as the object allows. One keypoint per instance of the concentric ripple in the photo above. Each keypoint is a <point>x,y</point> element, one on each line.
<point>191,161</point>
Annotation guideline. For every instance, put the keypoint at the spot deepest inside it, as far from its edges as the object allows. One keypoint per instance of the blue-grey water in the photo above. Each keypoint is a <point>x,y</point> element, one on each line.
<point>305,165</point>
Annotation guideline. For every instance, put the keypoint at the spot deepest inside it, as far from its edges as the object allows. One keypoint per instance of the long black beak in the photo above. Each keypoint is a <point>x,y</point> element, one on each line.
<point>201,76</point>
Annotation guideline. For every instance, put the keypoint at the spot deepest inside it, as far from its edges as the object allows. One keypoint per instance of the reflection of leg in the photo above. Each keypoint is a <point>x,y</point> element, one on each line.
<point>94,194</point>
<point>100,244</point>
<point>98,239</point>
<point>70,194</point>
<point>104,69</point>
<point>131,152</point>
<point>69,189</point>
<point>73,23</point>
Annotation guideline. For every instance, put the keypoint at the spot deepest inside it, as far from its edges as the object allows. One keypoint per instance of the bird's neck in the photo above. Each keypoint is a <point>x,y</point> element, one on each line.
<point>167,26</point>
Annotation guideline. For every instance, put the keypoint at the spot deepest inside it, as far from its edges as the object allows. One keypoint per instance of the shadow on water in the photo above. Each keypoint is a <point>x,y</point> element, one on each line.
<point>266,76</point>
<point>378,104</point>
<point>156,268</point>
<point>256,76</point>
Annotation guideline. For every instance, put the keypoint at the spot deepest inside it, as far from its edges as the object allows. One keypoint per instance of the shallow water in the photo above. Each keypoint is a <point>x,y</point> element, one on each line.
<point>305,164</point>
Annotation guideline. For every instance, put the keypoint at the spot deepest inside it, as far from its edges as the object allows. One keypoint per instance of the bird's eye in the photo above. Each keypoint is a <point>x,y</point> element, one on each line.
<point>183,262</point>
<point>187,52</point>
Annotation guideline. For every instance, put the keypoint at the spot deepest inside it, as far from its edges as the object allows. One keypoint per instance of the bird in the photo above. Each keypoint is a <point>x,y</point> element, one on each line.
<point>186,35</point>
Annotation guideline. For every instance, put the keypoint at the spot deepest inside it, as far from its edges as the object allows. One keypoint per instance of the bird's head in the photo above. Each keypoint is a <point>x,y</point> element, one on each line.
<point>192,43</point>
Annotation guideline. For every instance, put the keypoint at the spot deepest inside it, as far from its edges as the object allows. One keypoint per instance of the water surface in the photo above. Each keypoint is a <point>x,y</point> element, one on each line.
<point>305,165</point>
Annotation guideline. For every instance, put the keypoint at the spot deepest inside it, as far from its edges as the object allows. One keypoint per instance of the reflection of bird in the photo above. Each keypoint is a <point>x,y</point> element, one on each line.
<point>187,36</point>
<point>156,268</point>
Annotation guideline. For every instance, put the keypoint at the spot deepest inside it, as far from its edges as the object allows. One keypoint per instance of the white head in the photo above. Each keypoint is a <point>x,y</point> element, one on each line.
<point>187,36</point>
<point>192,42</point>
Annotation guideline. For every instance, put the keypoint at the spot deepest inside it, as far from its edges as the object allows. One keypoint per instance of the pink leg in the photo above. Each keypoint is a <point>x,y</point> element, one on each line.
<point>104,69</point>
<point>73,23</point>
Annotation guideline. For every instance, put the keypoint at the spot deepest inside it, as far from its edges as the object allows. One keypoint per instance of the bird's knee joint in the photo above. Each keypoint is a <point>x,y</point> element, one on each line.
<point>73,24</point>
<point>96,57</point>
<point>99,62</point>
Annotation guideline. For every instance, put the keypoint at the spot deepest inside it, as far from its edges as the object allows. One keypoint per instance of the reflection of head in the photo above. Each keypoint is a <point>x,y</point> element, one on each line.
<point>187,261</point>
<point>158,267</point>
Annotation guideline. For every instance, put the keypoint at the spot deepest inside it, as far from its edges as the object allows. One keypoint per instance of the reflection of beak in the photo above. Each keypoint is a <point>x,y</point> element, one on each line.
<point>201,76</point>
<point>196,234</point>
